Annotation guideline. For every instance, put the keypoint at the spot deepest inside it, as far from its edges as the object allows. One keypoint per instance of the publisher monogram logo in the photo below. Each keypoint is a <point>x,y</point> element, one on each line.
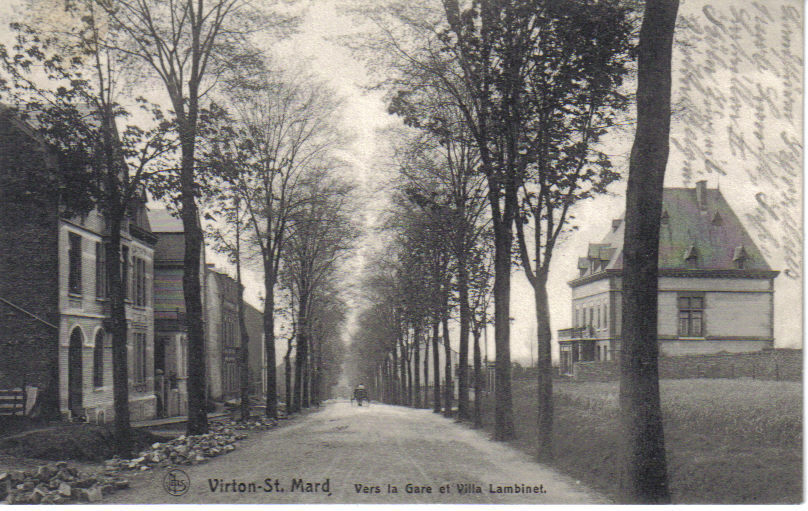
<point>176,482</point>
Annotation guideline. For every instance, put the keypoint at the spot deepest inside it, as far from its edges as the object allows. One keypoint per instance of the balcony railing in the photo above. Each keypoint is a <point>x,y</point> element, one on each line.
<point>582,332</point>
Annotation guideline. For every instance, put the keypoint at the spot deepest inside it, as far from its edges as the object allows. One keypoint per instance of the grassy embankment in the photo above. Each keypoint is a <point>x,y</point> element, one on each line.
<point>728,441</point>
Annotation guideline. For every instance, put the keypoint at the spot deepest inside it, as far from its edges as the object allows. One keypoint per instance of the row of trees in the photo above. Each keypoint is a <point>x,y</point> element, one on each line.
<point>250,147</point>
<point>438,261</point>
<point>530,88</point>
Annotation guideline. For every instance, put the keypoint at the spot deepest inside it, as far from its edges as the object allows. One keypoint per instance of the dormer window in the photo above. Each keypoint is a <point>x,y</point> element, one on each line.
<point>717,220</point>
<point>664,218</point>
<point>583,265</point>
<point>739,257</point>
<point>691,256</point>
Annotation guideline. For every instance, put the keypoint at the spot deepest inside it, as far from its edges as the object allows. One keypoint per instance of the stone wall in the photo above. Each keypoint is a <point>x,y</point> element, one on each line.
<point>775,364</point>
<point>600,371</point>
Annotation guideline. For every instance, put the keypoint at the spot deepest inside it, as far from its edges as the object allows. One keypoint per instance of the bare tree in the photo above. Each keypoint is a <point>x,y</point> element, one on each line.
<point>480,277</point>
<point>188,45</point>
<point>328,316</point>
<point>440,170</point>
<point>322,234</point>
<point>572,96</point>
<point>284,130</point>
<point>645,475</point>
<point>474,58</point>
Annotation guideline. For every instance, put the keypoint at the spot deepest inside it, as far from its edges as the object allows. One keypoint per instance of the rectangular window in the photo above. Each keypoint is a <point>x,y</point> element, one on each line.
<point>125,271</point>
<point>74,261</point>
<point>691,316</point>
<point>100,270</point>
<point>230,332</point>
<point>139,360</point>
<point>139,282</point>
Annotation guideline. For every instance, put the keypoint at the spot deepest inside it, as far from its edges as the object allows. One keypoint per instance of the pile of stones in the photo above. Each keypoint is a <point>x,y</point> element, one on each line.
<point>60,484</point>
<point>57,484</point>
<point>183,450</point>
<point>257,423</point>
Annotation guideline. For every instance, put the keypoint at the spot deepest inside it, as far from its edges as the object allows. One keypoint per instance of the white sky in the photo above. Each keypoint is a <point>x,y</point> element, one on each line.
<point>364,115</point>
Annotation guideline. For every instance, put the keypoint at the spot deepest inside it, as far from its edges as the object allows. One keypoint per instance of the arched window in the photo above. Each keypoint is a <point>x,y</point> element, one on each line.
<point>98,360</point>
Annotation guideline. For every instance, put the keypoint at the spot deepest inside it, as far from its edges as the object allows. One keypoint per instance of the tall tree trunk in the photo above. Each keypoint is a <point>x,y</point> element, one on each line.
<point>448,385</point>
<point>478,381</point>
<point>545,368</point>
<point>394,377</point>
<point>302,350</point>
<point>317,389</point>
<point>465,320</point>
<point>409,378</point>
<point>388,382</point>
<point>503,407</point>
<point>405,392</point>
<point>426,370</point>
<point>120,352</point>
<point>287,361</point>
<point>192,289</point>
<point>382,383</point>
<point>417,366</point>
<point>645,477</point>
<point>305,399</point>
<point>313,372</point>
<point>269,342</point>
<point>244,358</point>
<point>436,405</point>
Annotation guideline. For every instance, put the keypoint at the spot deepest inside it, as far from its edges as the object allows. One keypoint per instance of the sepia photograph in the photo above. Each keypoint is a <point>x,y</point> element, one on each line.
<point>401,252</point>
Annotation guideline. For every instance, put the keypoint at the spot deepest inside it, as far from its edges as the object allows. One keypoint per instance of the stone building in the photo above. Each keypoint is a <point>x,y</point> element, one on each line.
<point>171,338</point>
<point>223,336</point>
<point>254,320</point>
<point>53,291</point>
<point>716,291</point>
<point>222,332</point>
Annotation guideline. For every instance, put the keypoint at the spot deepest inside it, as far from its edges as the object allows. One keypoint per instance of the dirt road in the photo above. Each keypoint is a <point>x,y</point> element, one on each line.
<point>374,455</point>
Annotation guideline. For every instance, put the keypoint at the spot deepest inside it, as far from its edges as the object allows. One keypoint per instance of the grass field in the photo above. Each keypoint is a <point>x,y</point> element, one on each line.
<point>728,441</point>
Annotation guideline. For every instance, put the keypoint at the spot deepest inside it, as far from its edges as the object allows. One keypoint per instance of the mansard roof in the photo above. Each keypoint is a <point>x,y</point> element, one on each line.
<point>702,234</point>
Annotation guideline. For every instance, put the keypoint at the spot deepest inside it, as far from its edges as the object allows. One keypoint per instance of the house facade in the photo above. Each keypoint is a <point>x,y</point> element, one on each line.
<point>85,346</point>
<point>716,290</point>
<point>171,335</point>
<point>254,320</point>
<point>53,294</point>
<point>223,336</point>
<point>222,331</point>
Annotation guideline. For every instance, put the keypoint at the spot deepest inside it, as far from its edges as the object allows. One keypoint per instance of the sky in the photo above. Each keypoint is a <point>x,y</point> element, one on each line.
<point>738,124</point>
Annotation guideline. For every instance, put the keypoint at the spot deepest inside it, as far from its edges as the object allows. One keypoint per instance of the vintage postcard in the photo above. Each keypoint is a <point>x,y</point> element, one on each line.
<point>401,252</point>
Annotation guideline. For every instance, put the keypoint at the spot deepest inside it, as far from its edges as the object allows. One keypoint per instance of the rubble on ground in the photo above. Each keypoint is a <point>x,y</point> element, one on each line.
<point>260,422</point>
<point>183,450</point>
<point>61,484</point>
<point>57,484</point>
<point>195,449</point>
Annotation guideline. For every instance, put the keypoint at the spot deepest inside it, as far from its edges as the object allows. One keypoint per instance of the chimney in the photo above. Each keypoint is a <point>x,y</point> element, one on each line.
<point>616,224</point>
<point>701,194</point>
